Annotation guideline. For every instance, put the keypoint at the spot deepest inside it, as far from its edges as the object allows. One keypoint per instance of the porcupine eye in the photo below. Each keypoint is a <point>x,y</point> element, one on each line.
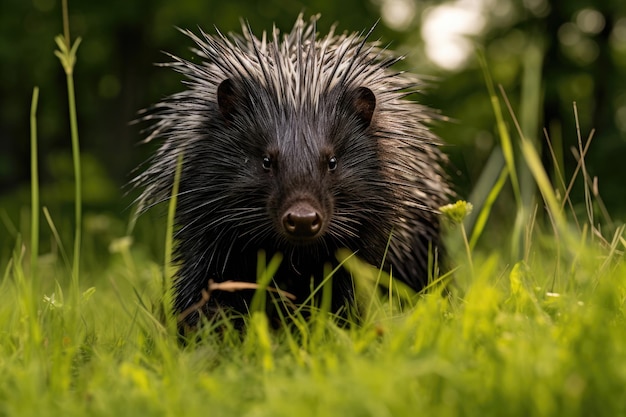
<point>332,163</point>
<point>267,163</point>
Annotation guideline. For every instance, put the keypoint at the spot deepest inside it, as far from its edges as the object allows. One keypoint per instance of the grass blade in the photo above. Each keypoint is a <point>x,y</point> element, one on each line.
<point>505,138</point>
<point>481,220</point>
<point>34,186</point>
<point>168,272</point>
<point>57,237</point>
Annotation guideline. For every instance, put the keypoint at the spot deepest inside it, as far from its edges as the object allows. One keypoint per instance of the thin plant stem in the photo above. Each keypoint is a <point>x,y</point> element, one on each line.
<point>468,249</point>
<point>77,176</point>
<point>67,56</point>
<point>34,187</point>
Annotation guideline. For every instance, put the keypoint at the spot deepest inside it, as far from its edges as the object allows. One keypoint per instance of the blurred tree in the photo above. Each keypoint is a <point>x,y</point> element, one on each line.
<point>582,58</point>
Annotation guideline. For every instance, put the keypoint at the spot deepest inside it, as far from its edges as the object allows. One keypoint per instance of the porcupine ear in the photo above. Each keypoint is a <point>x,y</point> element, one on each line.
<point>227,99</point>
<point>363,104</point>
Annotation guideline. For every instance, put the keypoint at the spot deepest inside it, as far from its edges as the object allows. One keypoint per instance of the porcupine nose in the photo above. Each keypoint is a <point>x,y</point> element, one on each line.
<point>302,221</point>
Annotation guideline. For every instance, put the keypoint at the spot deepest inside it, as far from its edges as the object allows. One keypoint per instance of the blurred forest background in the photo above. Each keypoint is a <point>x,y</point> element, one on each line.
<point>576,49</point>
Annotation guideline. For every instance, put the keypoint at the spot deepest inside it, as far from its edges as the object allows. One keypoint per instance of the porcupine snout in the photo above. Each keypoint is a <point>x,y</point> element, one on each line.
<point>302,221</point>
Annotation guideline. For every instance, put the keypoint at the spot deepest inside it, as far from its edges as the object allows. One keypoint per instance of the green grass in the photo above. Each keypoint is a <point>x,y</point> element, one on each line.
<point>543,336</point>
<point>536,327</point>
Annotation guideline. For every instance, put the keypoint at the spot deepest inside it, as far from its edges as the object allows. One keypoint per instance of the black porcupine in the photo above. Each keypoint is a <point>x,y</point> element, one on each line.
<point>301,145</point>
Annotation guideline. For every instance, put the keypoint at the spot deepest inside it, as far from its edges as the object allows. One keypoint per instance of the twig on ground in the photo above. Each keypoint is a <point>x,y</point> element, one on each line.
<point>229,286</point>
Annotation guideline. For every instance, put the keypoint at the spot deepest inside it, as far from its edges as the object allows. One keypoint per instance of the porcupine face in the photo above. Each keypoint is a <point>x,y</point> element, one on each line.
<point>306,165</point>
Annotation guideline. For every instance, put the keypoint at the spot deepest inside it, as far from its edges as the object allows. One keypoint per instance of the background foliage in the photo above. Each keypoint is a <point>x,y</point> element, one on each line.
<point>579,45</point>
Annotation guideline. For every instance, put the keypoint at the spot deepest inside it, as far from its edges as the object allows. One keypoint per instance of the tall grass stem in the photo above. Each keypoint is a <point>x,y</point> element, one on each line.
<point>67,56</point>
<point>78,183</point>
<point>34,187</point>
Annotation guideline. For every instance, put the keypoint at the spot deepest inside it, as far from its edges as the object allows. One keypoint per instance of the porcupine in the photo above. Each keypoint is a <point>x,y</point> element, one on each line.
<point>300,145</point>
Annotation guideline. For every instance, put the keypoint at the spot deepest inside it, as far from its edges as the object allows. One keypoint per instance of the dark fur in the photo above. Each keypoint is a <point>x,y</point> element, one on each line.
<point>268,127</point>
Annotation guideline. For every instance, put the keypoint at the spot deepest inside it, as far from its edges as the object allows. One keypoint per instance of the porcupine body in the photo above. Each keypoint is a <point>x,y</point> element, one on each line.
<point>300,145</point>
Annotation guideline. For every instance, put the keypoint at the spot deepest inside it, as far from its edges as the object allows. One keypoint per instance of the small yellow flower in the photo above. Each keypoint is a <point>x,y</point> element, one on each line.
<point>456,212</point>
